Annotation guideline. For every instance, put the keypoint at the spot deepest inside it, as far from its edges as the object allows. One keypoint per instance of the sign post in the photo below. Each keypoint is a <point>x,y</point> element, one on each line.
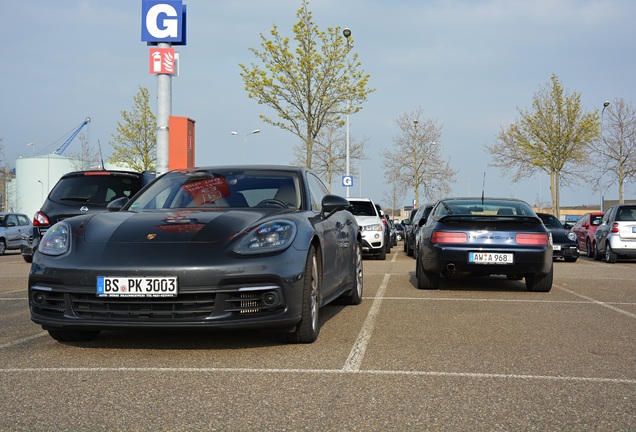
<point>162,25</point>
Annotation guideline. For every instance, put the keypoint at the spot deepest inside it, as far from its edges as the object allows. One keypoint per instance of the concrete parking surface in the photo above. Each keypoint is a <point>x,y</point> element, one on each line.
<point>476,355</point>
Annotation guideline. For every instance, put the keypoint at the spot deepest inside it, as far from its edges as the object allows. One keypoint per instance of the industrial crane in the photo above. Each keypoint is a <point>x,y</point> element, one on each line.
<point>61,148</point>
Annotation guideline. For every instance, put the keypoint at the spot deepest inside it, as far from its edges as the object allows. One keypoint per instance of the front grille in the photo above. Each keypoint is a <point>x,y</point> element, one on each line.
<point>185,306</point>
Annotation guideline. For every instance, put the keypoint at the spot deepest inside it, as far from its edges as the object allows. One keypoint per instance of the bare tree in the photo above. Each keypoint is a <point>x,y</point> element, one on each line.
<point>86,158</point>
<point>552,137</point>
<point>616,151</point>
<point>394,196</point>
<point>415,161</point>
<point>330,153</point>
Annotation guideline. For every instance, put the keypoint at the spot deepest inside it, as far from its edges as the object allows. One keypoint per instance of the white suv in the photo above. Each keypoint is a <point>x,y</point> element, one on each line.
<point>371,226</point>
<point>616,236</point>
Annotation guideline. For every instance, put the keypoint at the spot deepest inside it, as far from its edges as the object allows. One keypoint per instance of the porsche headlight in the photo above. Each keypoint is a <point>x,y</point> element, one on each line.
<point>56,240</point>
<point>270,237</point>
<point>572,236</point>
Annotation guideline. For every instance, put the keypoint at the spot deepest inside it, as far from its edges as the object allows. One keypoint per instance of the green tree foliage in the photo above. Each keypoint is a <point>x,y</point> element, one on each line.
<point>415,160</point>
<point>310,85</point>
<point>551,137</point>
<point>136,141</point>
<point>616,150</point>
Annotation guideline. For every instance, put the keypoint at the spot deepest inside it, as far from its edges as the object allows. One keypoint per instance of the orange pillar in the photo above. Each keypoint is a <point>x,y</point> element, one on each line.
<point>181,143</point>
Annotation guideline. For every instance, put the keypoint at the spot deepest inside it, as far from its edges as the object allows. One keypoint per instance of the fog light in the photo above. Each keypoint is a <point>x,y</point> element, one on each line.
<point>38,298</point>
<point>270,298</point>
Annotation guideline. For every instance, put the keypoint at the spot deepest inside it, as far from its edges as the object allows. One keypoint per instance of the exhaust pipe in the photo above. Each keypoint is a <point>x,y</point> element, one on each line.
<point>450,267</point>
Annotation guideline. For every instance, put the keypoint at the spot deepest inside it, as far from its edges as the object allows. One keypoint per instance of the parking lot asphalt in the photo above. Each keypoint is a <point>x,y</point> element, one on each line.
<point>476,355</point>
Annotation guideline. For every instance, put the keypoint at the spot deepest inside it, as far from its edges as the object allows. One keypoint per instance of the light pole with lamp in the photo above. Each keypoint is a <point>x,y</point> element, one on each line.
<point>255,131</point>
<point>605,105</point>
<point>347,34</point>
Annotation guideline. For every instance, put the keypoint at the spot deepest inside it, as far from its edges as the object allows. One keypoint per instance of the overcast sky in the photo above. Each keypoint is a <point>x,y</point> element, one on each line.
<point>469,64</point>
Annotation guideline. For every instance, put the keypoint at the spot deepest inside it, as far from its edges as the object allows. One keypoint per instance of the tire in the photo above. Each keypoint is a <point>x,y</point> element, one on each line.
<point>540,283</point>
<point>589,252</point>
<point>610,256</point>
<point>74,335</point>
<point>570,259</point>
<point>426,280</point>
<point>409,249</point>
<point>382,255</point>
<point>308,328</point>
<point>28,258</point>
<point>595,254</point>
<point>355,296</point>
<point>3,247</point>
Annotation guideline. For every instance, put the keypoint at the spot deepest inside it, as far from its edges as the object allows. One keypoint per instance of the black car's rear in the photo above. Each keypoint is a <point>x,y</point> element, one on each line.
<point>486,241</point>
<point>77,193</point>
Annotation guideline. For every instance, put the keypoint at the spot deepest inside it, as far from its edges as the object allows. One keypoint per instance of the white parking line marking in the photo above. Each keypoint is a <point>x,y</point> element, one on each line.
<point>26,339</point>
<point>598,302</point>
<point>331,371</point>
<point>360,346</point>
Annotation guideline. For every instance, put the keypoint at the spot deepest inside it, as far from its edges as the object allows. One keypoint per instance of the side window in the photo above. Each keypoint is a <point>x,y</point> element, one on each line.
<point>12,220</point>
<point>23,220</point>
<point>317,191</point>
<point>607,214</point>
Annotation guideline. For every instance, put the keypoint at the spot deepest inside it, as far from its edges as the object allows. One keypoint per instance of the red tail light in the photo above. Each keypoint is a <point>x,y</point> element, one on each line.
<point>533,239</point>
<point>40,219</point>
<point>615,227</point>
<point>448,237</point>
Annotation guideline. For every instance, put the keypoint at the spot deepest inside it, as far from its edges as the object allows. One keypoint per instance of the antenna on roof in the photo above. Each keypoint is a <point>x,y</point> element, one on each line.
<point>483,187</point>
<point>101,157</point>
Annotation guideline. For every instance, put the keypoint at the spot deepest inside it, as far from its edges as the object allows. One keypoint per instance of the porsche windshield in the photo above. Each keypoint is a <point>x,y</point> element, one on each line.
<point>219,189</point>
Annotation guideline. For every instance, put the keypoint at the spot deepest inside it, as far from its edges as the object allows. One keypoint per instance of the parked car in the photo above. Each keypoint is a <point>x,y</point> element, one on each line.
<point>399,231</point>
<point>408,226</point>
<point>81,192</point>
<point>420,215</point>
<point>388,244</point>
<point>615,237</point>
<point>12,227</point>
<point>392,230</point>
<point>584,230</point>
<point>563,240</point>
<point>465,237</point>
<point>238,247</point>
<point>373,232</point>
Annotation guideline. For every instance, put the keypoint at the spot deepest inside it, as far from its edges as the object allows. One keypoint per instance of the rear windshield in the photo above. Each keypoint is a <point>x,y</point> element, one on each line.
<point>486,208</point>
<point>95,189</point>
<point>626,214</point>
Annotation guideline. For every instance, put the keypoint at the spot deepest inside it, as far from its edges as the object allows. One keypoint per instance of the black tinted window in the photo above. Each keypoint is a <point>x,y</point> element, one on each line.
<point>95,189</point>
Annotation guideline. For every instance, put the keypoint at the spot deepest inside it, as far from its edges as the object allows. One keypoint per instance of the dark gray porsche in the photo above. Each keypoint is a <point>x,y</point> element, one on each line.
<point>208,248</point>
<point>482,237</point>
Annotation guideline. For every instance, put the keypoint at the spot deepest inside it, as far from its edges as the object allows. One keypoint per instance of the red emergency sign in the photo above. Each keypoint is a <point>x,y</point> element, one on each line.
<point>162,61</point>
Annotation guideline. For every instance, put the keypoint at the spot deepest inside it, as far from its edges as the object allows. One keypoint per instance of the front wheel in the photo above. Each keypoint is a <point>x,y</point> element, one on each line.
<point>588,249</point>
<point>3,247</point>
<point>307,329</point>
<point>596,254</point>
<point>355,297</point>
<point>540,283</point>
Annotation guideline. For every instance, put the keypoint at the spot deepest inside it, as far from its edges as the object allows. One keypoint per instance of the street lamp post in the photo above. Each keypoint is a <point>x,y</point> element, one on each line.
<point>255,131</point>
<point>605,105</point>
<point>41,191</point>
<point>347,33</point>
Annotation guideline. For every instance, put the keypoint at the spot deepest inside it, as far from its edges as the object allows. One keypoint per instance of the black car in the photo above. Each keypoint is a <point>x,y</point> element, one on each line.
<point>564,243</point>
<point>417,219</point>
<point>81,192</point>
<point>481,237</point>
<point>240,247</point>
<point>12,227</point>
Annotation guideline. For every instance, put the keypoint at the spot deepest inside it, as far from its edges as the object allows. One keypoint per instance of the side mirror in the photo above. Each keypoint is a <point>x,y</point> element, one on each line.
<point>116,204</point>
<point>333,203</point>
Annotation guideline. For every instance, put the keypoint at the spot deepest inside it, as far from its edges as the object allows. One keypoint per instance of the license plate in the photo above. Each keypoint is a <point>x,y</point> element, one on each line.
<point>634,229</point>
<point>122,286</point>
<point>556,247</point>
<point>490,258</point>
